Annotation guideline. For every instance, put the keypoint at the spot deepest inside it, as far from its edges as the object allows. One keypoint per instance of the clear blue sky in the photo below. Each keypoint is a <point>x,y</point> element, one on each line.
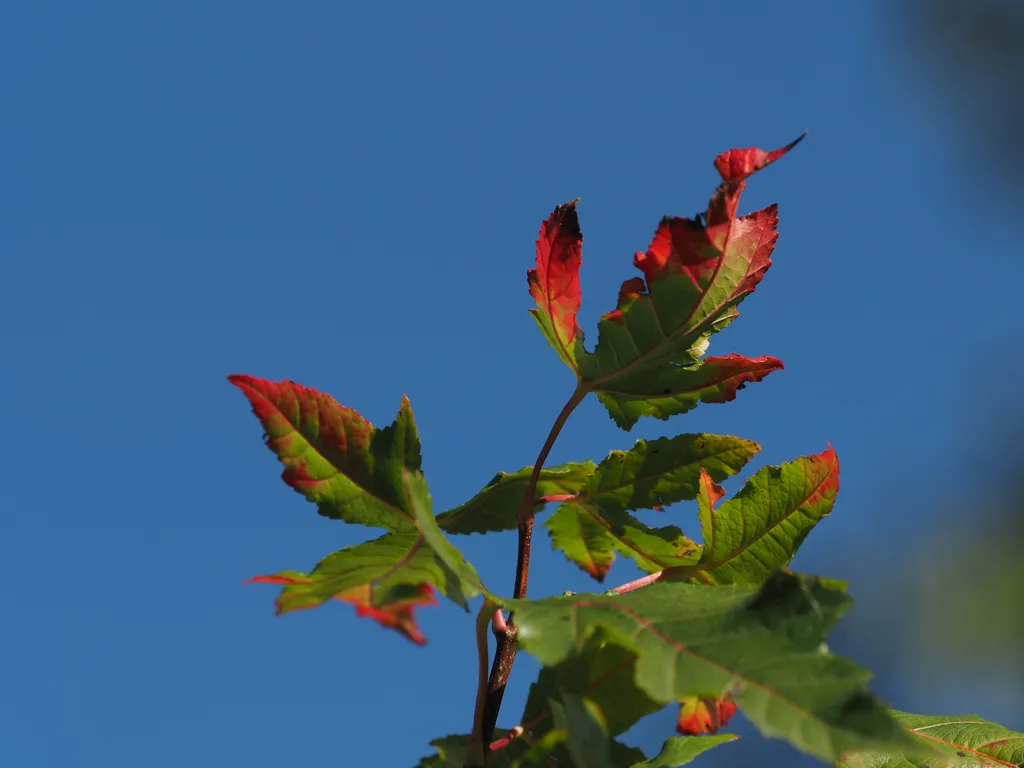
<point>348,197</point>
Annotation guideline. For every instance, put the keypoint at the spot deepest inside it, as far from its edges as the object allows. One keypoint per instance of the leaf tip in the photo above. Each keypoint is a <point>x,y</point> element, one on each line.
<point>699,715</point>
<point>735,165</point>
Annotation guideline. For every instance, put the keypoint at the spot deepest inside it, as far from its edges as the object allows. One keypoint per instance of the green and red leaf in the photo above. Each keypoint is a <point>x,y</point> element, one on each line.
<point>648,359</point>
<point>387,578</point>
<point>494,507</point>
<point>397,614</point>
<point>333,456</point>
<point>671,390</point>
<point>555,281</point>
<point>763,646</point>
<point>594,524</point>
<point>760,529</point>
<point>699,715</point>
<point>965,741</point>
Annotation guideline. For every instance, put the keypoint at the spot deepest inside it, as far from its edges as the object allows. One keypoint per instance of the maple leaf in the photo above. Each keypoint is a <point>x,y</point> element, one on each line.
<point>387,578</point>
<point>649,359</point>
<point>593,524</point>
<point>333,456</point>
<point>396,614</point>
<point>761,528</point>
<point>941,741</point>
<point>763,645</point>
<point>357,473</point>
<point>555,281</point>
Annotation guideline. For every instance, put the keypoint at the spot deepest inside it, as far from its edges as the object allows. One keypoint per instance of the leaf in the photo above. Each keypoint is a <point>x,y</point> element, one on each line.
<point>494,507</point>
<point>600,670</point>
<point>457,569</point>
<point>603,672</point>
<point>764,646</point>
<point>705,714</point>
<point>680,750</point>
<point>333,456</point>
<point>587,735</point>
<point>388,577</point>
<point>310,590</point>
<point>761,528</point>
<point>592,526</point>
<point>647,361</point>
<point>451,749</point>
<point>947,742</point>
<point>555,282</point>
<point>671,390</point>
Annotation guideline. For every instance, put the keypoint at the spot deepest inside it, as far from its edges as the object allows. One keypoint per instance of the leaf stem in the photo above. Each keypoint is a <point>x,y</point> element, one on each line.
<point>475,752</point>
<point>505,650</point>
<point>643,581</point>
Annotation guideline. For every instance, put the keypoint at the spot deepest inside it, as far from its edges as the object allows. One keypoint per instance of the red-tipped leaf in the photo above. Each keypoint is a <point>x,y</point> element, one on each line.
<point>333,456</point>
<point>555,281</point>
<point>700,715</point>
<point>649,359</point>
<point>397,615</point>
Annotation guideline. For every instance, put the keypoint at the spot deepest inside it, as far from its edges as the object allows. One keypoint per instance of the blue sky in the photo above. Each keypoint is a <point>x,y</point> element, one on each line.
<point>348,197</point>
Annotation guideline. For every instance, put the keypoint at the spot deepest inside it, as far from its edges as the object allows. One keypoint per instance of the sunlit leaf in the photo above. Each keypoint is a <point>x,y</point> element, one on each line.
<point>594,524</point>
<point>555,281</point>
<point>764,646</point>
<point>760,529</point>
<point>333,456</point>
<point>649,356</point>
<point>494,507</point>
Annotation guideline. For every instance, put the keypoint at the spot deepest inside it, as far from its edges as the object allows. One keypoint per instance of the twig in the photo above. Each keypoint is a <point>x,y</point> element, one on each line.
<point>505,651</point>
<point>476,754</point>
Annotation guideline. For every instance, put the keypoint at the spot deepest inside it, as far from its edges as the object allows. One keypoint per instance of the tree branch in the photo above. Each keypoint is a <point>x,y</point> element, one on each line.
<point>505,652</point>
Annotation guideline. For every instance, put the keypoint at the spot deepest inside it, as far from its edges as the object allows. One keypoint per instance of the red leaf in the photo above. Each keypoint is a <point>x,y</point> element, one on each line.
<point>683,246</point>
<point>293,415</point>
<point>555,282</point>
<point>735,167</point>
<point>733,372</point>
<point>397,615</point>
<point>704,714</point>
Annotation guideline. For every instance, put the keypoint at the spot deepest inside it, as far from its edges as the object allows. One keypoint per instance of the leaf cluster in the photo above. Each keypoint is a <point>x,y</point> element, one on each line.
<point>716,624</point>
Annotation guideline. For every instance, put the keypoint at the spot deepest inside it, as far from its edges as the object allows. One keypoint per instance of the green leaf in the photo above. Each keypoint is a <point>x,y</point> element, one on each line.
<point>335,458</point>
<point>452,749</point>
<point>494,507</point>
<point>670,390</point>
<point>459,572</point>
<point>388,577</point>
<point>680,750</point>
<point>947,742</point>
<point>592,526</point>
<point>761,528</point>
<point>604,673</point>
<point>601,670</point>
<point>587,735</point>
<point>764,646</point>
